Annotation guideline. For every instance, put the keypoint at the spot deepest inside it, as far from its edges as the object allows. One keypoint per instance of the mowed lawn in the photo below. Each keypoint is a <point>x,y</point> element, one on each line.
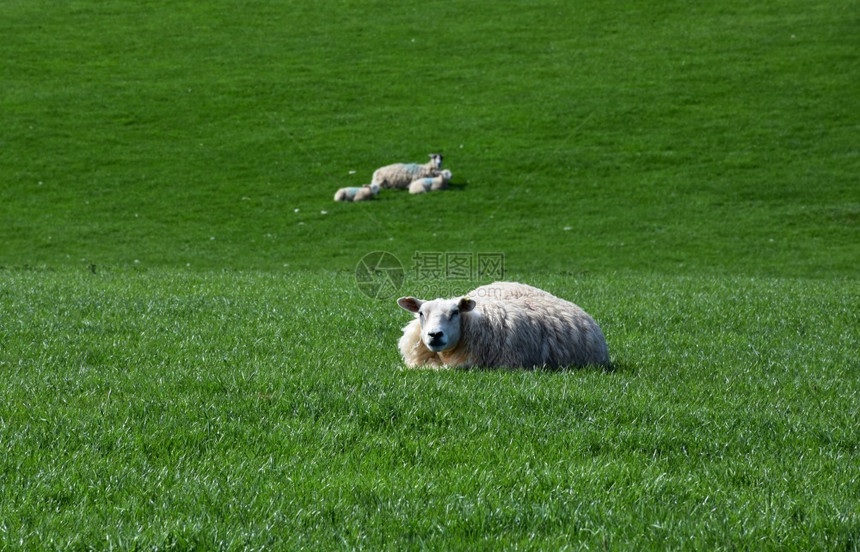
<point>190,356</point>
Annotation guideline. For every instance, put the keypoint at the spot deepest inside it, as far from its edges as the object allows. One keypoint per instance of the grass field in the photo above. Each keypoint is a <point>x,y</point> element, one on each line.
<point>188,361</point>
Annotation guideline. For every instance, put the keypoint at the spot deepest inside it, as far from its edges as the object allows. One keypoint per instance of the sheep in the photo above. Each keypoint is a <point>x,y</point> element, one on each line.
<point>501,324</point>
<point>363,193</point>
<point>428,184</point>
<point>400,175</point>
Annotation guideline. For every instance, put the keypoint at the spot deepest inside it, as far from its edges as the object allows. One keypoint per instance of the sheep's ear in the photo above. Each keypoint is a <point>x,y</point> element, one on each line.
<point>410,303</point>
<point>465,304</point>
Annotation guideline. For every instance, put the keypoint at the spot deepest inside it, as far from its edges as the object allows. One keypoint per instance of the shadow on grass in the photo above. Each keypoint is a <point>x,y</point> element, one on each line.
<point>452,187</point>
<point>620,367</point>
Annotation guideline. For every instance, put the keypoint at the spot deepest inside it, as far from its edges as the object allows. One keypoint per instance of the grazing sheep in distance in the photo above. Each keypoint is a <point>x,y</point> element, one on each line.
<point>501,324</point>
<point>428,184</point>
<point>400,175</point>
<point>362,193</point>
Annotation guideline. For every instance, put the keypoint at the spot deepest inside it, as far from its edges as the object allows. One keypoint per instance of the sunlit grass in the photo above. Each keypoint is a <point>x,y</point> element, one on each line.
<point>188,363</point>
<point>244,410</point>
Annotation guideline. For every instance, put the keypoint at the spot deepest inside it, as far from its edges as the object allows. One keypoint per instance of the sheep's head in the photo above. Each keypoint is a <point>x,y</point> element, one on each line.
<point>374,188</point>
<point>436,160</point>
<point>439,319</point>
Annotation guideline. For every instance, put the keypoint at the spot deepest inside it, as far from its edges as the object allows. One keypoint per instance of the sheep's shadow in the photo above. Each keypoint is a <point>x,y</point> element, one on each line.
<point>620,367</point>
<point>452,187</point>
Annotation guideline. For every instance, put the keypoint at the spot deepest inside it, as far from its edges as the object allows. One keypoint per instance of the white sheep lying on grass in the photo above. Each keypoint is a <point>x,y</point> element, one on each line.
<point>368,191</point>
<point>501,324</point>
<point>429,184</point>
<point>400,175</point>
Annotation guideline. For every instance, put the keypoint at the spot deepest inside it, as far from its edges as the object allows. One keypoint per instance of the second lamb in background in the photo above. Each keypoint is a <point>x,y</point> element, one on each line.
<point>431,184</point>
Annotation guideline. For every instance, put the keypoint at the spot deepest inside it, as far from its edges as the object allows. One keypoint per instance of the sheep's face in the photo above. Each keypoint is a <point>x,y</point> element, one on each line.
<point>439,320</point>
<point>437,160</point>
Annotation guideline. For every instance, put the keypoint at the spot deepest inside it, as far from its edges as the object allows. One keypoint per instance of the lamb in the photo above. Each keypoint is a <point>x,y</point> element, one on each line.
<point>501,324</point>
<point>428,184</point>
<point>400,175</point>
<point>368,191</point>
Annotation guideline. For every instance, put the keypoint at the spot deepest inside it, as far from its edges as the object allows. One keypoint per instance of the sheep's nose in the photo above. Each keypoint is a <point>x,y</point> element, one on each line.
<point>435,334</point>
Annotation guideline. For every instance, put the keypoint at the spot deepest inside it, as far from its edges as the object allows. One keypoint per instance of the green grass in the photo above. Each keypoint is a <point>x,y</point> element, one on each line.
<point>247,410</point>
<point>666,137</point>
<point>187,361</point>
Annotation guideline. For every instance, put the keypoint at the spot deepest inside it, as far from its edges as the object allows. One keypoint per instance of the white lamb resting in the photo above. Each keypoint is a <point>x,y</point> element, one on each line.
<point>429,184</point>
<point>362,193</point>
<point>501,324</point>
<point>400,175</point>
